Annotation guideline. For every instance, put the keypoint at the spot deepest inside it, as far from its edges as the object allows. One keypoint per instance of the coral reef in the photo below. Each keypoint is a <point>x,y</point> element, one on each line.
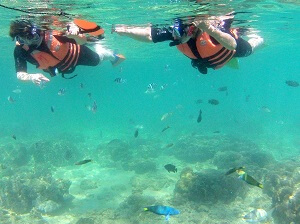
<point>56,153</point>
<point>117,149</point>
<point>28,190</point>
<point>208,186</point>
<point>200,148</point>
<point>282,183</point>
<point>14,155</point>
<point>134,204</point>
<point>85,221</point>
<point>229,159</point>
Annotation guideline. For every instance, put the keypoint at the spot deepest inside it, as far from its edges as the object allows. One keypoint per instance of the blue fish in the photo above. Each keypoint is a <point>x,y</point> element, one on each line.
<point>162,210</point>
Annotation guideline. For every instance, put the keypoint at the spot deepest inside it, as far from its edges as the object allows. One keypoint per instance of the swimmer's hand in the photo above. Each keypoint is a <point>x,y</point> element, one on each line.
<point>36,78</point>
<point>72,29</point>
<point>202,24</point>
<point>39,79</point>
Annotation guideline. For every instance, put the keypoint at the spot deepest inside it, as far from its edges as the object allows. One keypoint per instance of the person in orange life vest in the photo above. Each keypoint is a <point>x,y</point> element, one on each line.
<point>56,52</point>
<point>209,43</point>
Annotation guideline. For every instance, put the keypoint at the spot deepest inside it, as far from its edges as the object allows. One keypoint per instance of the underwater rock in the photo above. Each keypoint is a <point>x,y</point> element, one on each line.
<point>229,159</point>
<point>56,153</point>
<point>28,189</point>
<point>48,207</point>
<point>118,150</point>
<point>88,184</point>
<point>21,156</point>
<point>208,187</point>
<point>134,204</point>
<point>200,148</point>
<point>14,155</point>
<point>140,166</point>
<point>194,148</point>
<point>85,221</point>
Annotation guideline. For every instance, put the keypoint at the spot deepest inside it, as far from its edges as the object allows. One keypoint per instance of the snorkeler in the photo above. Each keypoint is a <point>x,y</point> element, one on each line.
<point>208,42</point>
<point>56,52</point>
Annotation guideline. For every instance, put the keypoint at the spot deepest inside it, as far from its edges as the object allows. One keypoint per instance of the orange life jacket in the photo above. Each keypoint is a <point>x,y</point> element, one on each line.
<point>63,56</point>
<point>214,55</point>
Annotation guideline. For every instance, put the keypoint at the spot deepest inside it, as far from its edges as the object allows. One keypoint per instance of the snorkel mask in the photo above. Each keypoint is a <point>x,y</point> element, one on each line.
<point>30,34</point>
<point>177,32</point>
<point>178,29</point>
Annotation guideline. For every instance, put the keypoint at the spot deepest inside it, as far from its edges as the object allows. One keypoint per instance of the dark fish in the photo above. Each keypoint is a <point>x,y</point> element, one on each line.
<point>14,137</point>
<point>166,128</point>
<point>199,101</point>
<point>292,83</point>
<point>90,95</point>
<point>83,162</point>
<point>199,119</point>
<point>52,109</point>
<point>94,107</point>
<point>120,80</point>
<point>81,86</point>
<point>169,145</point>
<point>213,101</point>
<point>222,89</point>
<point>136,133</point>
<point>247,98</point>
<point>171,168</point>
<point>232,170</point>
<point>3,167</point>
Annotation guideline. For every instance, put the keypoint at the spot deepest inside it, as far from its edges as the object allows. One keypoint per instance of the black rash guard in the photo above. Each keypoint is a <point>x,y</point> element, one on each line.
<point>86,55</point>
<point>243,48</point>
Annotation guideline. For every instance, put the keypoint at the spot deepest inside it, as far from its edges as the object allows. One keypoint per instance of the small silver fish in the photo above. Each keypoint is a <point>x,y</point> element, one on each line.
<point>81,86</point>
<point>17,91</point>
<point>166,115</point>
<point>52,109</point>
<point>10,99</point>
<point>120,80</point>
<point>151,88</point>
<point>256,216</point>
<point>61,92</point>
<point>94,107</point>
<point>163,87</point>
<point>265,109</point>
<point>139,126</point>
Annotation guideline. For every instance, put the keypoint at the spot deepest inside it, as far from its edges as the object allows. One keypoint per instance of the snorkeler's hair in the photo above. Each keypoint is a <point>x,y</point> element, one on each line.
<point>20,27</point>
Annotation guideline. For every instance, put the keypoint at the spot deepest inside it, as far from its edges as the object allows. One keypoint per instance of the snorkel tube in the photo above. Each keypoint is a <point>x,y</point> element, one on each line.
<point>177,32</point>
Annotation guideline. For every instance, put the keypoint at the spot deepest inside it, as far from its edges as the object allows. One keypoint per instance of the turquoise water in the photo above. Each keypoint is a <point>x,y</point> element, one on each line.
<point>260,116</point>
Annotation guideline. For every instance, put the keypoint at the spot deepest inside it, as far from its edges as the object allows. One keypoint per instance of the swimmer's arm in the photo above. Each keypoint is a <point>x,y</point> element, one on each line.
<point>224,39</point>
<point>36,78</point>
<point>142,34</point>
